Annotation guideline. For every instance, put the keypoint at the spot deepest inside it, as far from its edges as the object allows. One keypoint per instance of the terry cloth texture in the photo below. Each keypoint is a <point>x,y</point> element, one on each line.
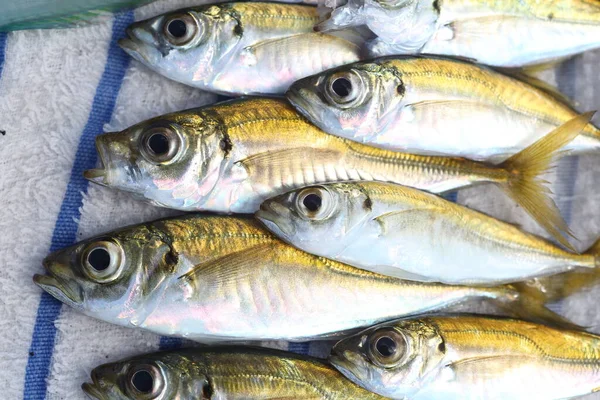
<point>58,90</point>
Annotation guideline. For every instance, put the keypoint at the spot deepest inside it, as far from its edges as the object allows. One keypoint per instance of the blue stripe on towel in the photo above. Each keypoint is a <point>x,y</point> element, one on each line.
<point>170,343</point>
<point>299,348</point>
<point>567,167</point>
<point>3,38</point>
<point>65,230</point>
<point>452,196</point>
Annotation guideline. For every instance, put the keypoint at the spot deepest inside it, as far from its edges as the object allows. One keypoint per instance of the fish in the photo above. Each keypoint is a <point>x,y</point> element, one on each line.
<point>44,14</point>
<point>239,48</point>
<point>436,106</point>
<point>230,157</point>
<point>214,278</point>
<point>403,232</point>
<point>222,373</point>
<point>511,33</point>
<point>470,357</point>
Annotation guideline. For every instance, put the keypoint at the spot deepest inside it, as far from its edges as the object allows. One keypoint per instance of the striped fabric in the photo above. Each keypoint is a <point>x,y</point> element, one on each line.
<point>47,351</point>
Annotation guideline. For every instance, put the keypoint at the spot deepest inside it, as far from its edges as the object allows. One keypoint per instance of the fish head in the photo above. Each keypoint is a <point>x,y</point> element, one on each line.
<point>185,45</point>
<point>392,359</point>
<point>166,375</point>
<point>111,277</point>
<point>354,101</point>
<point>172,161</point>
<point>311,217</point>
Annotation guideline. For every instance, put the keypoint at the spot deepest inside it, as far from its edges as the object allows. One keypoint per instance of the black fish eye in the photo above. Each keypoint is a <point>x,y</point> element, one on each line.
<point>99,259</point>
<point>158,143</point>
<point>386,346</point>
<point>312,202</point>
<point>177,28</point>
<point>341,87</point>
<point>143,381</point>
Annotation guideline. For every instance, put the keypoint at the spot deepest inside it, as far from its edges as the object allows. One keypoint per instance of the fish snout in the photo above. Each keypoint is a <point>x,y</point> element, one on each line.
<point>59,282</point>
<point>277,218</point>
<point>93,390</point>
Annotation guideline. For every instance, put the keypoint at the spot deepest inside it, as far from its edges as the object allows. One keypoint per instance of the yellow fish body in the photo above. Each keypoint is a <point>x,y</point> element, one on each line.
<point>467,357</point>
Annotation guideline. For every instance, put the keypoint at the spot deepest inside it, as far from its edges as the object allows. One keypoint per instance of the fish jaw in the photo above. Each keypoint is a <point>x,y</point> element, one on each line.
<point>100,386</point>
<point>351,364</point>
<point>58,287</point>
<point>116,171</point>
<point>305,98</point>
<point>141,46</point>
<point>277,219</point>
<point>99,176</point>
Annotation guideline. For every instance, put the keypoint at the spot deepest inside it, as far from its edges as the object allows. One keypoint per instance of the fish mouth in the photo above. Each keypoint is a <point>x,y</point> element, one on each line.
<point>99,175</point>
<point>57,287</point>
<point>92,389</point>
<point>276,218</point>
<point>344,366</point>
<point>141,45</point>
<point>133,49</point>
<point>297,100</point>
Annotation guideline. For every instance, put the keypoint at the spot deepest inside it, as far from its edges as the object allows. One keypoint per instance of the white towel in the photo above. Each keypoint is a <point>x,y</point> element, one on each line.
<point>60,88</point>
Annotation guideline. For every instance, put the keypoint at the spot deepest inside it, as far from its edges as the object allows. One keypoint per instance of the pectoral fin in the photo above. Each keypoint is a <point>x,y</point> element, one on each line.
<point>288,158</point>
<point>229,269</point>
<point>402,219</point>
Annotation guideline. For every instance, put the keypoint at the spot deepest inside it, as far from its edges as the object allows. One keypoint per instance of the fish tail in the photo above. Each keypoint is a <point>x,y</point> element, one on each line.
<point>528,301</point>
<point>525,186</point>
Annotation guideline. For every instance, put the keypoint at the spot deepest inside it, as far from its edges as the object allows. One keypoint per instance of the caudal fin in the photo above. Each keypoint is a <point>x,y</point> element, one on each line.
<point>527,188</point>
<point>529,303</point>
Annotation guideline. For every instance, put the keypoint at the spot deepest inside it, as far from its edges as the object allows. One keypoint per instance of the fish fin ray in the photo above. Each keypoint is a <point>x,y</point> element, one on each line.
<point>531,300</point>
<point>226,269</point>
<point>281,158</point>
<point>528,189</point>
<point>281,45</point>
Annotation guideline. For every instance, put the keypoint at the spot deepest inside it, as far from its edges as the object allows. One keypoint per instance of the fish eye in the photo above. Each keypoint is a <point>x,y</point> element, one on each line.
<point>145,380</point>
<point>345,89</point>
<point>103,260</point>
<point>387,348</point>
<point>315,203</point>
<point>180,30</point>
<point>160,145</point>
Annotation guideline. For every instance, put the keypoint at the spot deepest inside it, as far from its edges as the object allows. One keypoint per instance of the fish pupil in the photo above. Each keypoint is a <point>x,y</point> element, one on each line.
<point>177,28</point>
<point>143,381</point>
<point>99,259</point>
<point>342,87</point>
<point>312,202</point>
<point>159,144</point>
<point>386,346</point>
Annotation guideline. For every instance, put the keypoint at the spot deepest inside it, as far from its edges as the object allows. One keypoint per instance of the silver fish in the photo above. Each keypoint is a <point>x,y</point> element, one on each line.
<point>210,278</point>
<point>508,33</point>
<point>406,233</point>
<point>238,48</point>
<point>232,156</point>
<point>436,106</point>
<point>470,358</point>
<point>222,373</point>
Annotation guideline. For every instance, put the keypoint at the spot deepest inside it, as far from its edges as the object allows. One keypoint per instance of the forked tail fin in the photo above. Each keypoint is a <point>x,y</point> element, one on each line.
<point>528,301</point>
<point>527,188</point>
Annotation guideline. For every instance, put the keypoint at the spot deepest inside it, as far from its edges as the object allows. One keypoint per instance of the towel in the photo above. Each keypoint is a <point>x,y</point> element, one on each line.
<point>61,88</point>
